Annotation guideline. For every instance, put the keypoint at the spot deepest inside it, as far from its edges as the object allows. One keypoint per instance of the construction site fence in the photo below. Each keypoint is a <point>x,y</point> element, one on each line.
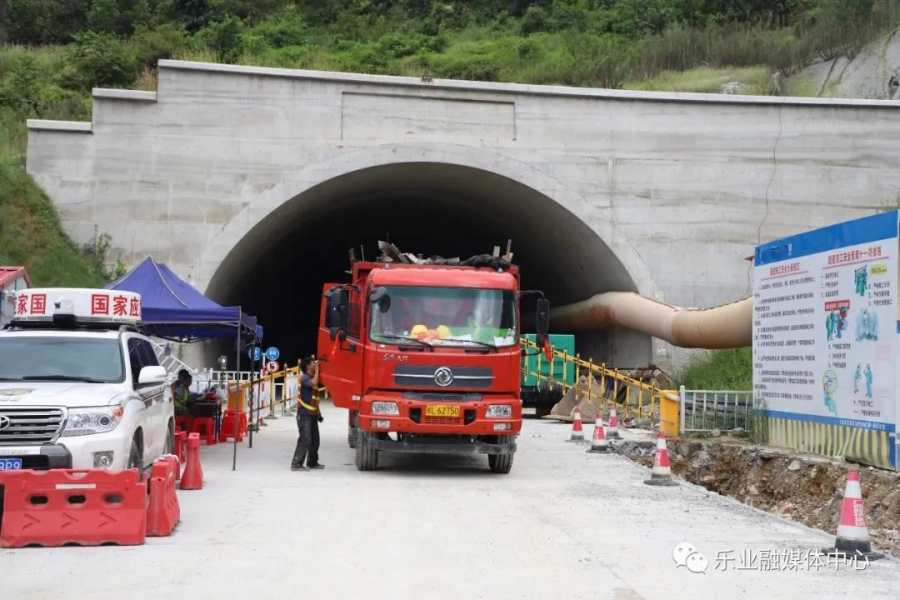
<point>634,399</point>
<point>257,395</point>
<point>715,410</point>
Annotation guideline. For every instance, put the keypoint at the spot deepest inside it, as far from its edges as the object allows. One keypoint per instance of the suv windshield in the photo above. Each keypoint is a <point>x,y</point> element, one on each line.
<point>60,358</point>
<point>445,316</point>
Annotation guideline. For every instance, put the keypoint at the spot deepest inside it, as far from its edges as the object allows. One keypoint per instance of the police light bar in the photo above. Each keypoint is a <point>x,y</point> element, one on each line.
<point>86,305</point>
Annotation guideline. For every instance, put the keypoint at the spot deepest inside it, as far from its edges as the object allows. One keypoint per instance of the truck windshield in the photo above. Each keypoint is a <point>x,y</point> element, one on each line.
<point>62,358</point>
<point>445,316</point>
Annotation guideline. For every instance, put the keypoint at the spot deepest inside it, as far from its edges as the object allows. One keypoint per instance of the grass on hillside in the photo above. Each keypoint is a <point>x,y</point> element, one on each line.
<point>720,370</point>
<point>30,231</point>
<point>756,80</point>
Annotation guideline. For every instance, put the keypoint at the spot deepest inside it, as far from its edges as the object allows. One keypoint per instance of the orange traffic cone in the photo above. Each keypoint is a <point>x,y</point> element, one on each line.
<point>613,429</point>
<point>599,442</point>
<point>662,472</point>
<point>852,532</point>
<point>577,431</point>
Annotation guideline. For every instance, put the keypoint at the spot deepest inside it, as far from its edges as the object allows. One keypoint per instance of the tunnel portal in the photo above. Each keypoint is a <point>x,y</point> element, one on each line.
<point>277,270</point>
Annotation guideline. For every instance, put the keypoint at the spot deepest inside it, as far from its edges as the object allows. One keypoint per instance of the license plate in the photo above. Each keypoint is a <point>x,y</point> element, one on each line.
<point>10,464</point>
<point>442,411</point>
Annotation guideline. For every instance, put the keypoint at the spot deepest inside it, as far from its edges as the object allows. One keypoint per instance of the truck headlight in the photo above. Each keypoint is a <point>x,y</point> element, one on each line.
<point>385,408</point>
<point>499,411</point>
<point>87,421</point>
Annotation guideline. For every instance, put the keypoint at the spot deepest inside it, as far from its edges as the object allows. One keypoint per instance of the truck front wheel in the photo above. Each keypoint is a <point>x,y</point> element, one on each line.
<point>352,430</point>
<point>366,457</point>
<point>500,463</point>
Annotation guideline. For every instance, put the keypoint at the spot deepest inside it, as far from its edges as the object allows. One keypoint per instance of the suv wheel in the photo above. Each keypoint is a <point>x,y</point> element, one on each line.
<point>135,460</point>
<point>170,439</point>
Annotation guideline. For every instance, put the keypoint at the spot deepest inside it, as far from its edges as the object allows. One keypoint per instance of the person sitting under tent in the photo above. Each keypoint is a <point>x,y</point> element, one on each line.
<point>181,392</point>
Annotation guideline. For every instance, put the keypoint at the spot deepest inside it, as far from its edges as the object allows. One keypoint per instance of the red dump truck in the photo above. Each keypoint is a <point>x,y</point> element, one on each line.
<point>425,355</point>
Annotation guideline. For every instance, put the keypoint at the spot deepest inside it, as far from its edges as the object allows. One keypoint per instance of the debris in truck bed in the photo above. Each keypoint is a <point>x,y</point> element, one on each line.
<point>391,254</point>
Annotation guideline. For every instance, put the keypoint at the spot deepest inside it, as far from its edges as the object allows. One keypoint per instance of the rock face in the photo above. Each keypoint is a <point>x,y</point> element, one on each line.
<point>873,73</point>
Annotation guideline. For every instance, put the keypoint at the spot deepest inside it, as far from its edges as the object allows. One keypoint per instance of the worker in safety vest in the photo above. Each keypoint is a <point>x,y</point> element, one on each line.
<point>308,418</point>
<point>181,392</point>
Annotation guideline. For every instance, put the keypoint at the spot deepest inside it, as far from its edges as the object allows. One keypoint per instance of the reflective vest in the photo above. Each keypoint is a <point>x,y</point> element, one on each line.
<point>306,406</point>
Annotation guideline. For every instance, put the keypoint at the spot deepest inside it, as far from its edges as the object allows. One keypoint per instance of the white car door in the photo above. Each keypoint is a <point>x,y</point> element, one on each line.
<point>150,396</point>
<point>163,405</point>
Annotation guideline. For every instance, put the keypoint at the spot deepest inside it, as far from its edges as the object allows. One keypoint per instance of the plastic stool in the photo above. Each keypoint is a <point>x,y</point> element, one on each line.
<point>208,427</point>
<point>184,423</point>
<point>226,429</point>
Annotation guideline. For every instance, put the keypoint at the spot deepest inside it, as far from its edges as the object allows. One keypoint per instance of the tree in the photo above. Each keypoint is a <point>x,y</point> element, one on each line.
<point>152,45</point>
<point>103,59</point>
<point>21,87</point>
<point>226,39</point>
<point>105,16</point>
<point>39,22</point>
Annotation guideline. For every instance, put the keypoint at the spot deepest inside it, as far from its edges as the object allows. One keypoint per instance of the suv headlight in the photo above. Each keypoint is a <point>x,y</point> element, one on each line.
<point>385,408</point>
<point>499,411</point>
<point>87,421</point>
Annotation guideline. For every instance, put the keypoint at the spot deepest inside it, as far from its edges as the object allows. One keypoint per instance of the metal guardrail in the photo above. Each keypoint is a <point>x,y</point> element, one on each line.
<point>640,400</point>
<point>710,410</point>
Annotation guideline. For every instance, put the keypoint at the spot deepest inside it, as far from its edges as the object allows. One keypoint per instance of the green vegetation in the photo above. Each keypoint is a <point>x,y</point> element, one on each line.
<point>754,80</point>
<point>53,52</point>
<point>720,370</point>
<point>30,232</point>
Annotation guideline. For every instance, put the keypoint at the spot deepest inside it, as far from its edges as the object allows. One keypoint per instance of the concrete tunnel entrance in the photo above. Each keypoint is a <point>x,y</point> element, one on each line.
<point>277,270</point>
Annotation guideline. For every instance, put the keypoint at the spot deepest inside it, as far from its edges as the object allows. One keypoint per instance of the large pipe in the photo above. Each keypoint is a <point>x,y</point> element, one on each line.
<point>726,326</point>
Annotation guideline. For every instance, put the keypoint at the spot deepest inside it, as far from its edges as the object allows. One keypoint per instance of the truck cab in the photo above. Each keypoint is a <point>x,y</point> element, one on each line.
<point>80,387</point>
<point>426,358</point>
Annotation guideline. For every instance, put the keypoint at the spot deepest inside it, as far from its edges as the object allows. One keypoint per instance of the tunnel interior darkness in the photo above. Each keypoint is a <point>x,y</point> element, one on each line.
<point>277,270</point>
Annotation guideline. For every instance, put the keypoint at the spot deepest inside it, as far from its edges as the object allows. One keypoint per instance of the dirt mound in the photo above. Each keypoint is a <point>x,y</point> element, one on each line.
<point>807,489</point>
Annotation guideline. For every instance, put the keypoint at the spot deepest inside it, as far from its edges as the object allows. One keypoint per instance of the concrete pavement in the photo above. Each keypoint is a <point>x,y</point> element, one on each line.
<point>563,524</point>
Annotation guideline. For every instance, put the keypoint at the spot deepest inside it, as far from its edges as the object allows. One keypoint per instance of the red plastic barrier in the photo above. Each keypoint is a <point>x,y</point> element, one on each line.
<point>192,478</point>
<point>65,506</point>
<point>180,443</point>
<point>164,464</point>
<point>163,512</point>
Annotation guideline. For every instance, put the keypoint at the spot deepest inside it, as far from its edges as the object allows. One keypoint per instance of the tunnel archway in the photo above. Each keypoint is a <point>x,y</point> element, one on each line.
<point>276,270</point>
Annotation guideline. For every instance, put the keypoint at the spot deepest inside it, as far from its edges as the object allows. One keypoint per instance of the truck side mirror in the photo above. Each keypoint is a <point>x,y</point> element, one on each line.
<point>337,301</point>
<point>542,316</point>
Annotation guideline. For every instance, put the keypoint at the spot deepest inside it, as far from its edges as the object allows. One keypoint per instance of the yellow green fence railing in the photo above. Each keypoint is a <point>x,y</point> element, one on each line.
<point>632,398</point>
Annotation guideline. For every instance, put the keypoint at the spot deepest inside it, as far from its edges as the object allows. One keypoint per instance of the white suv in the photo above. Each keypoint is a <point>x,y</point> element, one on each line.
<point>81,394</point>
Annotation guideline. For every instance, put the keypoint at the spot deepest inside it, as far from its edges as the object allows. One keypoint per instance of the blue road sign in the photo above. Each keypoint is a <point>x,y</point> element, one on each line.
<point>272,353</point>
<point>254,353</point>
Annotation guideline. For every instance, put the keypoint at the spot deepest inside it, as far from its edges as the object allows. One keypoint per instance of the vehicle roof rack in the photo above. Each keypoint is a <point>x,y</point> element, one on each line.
<point>69,323</point>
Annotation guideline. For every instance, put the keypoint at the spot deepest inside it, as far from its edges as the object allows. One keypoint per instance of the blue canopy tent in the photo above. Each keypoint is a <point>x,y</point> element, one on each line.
<point>174,310</point>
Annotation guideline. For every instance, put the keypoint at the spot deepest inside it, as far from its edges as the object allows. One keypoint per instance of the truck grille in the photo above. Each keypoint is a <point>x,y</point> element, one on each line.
<point>429,376</point>
<point>441,397</point>
<point>27,426</point>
